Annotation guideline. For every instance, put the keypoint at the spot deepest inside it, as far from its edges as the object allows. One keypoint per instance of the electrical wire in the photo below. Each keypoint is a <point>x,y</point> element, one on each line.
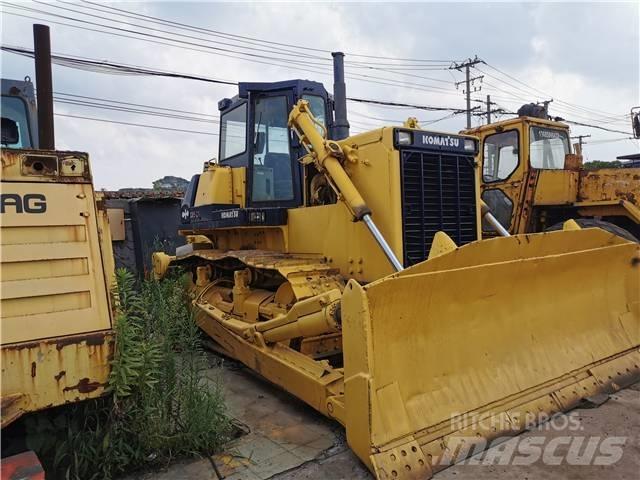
<point>136,124</point>
<point>314,67</point>
<point>576,110</point>
<point>63,94</point>
<point>252,39</point>
<point>104,66</point>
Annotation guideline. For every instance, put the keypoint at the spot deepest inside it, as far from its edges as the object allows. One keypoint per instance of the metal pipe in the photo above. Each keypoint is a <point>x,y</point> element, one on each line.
<point>382,243</point>
<point>497,226</point>
<point>341,124</point>
<point>44,85</point>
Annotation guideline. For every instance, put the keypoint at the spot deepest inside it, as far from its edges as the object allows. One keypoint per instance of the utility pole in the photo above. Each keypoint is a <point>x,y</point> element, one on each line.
<point>468,82</point>
<point>489,103</point>
<point>580,142</point>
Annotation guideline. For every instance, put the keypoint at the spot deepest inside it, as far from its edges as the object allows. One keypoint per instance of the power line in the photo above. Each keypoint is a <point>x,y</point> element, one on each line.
<point>136,124</point>
<point>609,140</point>
<point>246,38</point>
<point>354,64</point>
<point>124,109</point>
<point>75,62</point>
<point>596,126</point>
<point>138,70</point>
<point>63,94</point>
<point>406,105</point>
<point>567,105</point>
<point>225,52</point>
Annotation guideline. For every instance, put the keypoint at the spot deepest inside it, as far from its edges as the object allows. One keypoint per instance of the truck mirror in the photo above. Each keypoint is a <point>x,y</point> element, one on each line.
<point>636,125</point>
<point>10,133</point>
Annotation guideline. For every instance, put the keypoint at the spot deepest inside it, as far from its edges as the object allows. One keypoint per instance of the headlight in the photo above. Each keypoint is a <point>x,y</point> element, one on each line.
<point>405,138</point>
<point>470,145</point>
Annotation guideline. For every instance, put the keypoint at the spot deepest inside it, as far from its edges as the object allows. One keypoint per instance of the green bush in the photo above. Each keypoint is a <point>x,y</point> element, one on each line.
<point>161,404</point>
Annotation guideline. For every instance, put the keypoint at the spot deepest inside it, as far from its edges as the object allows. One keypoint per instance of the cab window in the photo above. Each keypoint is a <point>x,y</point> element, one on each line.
<point>14,108</point>
<point>500,156</point>
<point>272,178</point>
<point>317,106</point>
<point>547,148</point>
<point>233,132</point>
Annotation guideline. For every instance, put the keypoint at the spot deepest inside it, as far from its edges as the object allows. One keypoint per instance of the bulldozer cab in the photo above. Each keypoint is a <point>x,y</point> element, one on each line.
<point>254,134</point>
<point>19,114</point>
<point>514,154</point>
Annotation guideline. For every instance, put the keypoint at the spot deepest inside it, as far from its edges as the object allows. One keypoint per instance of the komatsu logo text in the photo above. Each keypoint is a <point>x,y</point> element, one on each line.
<point>27,203</point>
<point>441,141</point>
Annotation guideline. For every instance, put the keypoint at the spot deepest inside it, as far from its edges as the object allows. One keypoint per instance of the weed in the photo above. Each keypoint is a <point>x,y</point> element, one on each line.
<point>160,403</point>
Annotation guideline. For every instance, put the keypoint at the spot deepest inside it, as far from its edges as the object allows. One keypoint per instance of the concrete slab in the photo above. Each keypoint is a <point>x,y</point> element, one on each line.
<point>287,440</point>
<point>616,421</point>
<point>282,433</point>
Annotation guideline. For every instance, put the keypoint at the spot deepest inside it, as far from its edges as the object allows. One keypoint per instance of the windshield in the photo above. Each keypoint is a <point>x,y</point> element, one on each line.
<point>15,109</point>
<point>548,147</point>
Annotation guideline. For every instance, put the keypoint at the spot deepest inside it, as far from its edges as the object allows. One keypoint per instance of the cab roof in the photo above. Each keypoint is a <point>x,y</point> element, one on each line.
<point>515,121</point>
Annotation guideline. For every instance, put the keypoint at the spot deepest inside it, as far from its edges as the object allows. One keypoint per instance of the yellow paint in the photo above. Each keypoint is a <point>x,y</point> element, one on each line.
<point>215,186</point>
<point>116,223</point>
<point>556,187</point>
<point>57,266</point>
<point>539,194</point>
<point>499,327</point>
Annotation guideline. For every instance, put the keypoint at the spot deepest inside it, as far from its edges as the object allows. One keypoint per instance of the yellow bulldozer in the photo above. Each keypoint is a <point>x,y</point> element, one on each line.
<point>350,271</point>
<point>532,181</point>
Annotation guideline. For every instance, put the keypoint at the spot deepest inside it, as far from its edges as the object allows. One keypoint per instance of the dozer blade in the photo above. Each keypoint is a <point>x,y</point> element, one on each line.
<point>482,341</point>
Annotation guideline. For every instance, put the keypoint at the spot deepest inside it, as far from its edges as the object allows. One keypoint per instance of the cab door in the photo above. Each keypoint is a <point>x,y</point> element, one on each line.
<point>504,169</point>
<point>274,178</point>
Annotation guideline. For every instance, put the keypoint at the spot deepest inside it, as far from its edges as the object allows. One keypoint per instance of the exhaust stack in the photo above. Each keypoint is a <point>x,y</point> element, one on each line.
<point>341,124</point>
<point>44,85</point>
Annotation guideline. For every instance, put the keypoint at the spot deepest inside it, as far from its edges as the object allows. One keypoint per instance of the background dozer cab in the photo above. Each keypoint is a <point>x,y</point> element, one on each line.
<point>532,182</point>
<point>56,259</point>
<point>353,277</point>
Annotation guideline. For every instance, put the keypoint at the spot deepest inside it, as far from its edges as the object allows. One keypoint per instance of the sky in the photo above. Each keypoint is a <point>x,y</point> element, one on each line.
<point>584,56</point>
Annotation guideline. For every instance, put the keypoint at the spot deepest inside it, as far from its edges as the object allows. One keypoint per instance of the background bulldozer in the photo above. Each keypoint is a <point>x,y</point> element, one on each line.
<point>350,272</point>
<point>532,182</point>
<point>56,260</point>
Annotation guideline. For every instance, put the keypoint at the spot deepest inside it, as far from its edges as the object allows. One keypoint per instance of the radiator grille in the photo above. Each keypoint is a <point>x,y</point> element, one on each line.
<point>438,193</point>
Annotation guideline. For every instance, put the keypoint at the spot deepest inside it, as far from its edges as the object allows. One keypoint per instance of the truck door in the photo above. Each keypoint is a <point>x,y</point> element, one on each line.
<point>503,171</point>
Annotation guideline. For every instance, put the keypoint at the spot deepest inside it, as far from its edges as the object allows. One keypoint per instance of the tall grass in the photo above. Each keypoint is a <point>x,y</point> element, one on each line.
<point>161,405</point>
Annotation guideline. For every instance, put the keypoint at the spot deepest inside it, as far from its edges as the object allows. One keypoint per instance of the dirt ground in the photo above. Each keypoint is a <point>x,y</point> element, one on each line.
<point>287,440</point>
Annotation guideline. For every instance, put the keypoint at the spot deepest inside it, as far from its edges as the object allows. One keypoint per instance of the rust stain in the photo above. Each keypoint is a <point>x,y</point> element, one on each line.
<point>84,386</point>
<point>7,401</point>
<point>91,339</point>
<point>60,375</point>
<point>33,369</point>
<point>61,342</point>
<point>628,196</point>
